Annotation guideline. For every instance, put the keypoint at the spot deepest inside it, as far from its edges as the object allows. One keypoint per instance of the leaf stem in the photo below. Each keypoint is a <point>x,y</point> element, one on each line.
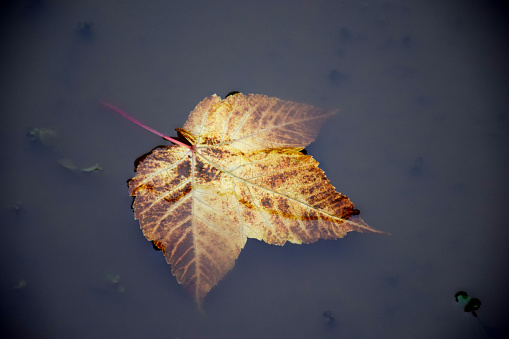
<point>150,129</point>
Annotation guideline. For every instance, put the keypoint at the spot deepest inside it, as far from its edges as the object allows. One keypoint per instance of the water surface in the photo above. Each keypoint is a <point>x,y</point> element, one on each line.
<point>420,146</point>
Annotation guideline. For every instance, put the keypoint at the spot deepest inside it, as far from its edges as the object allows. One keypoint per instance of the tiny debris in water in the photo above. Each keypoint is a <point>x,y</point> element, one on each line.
<point>328,315</point>
<point>114,279</point>
<point>21,285</point>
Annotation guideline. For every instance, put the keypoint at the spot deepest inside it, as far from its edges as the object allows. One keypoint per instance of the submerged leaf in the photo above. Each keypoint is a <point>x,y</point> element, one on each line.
<point>92,168</point>
<point>68,163</point>
<point>46,136</point>
<point>244,177</point>
<point>71,165</point>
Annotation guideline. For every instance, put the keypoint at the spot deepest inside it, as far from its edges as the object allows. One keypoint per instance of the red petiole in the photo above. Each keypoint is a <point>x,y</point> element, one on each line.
<point>150,129</point>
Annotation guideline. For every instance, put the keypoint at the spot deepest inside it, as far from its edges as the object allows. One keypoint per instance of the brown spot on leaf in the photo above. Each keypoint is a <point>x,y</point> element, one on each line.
<point>266,203</point>
<point>178,195</point>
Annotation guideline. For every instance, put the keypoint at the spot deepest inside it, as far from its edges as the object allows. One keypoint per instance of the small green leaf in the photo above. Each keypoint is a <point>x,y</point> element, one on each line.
<point>463,300</point>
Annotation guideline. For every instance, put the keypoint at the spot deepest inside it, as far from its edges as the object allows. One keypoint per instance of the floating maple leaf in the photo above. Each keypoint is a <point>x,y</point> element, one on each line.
<point>242,176</point>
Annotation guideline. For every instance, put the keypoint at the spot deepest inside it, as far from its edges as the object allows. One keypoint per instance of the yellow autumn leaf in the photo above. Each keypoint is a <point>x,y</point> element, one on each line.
<point>244,176</point>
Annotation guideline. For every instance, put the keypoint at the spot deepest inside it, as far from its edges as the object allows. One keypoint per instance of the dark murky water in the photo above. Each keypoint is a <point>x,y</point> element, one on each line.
<point>420,146</point>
